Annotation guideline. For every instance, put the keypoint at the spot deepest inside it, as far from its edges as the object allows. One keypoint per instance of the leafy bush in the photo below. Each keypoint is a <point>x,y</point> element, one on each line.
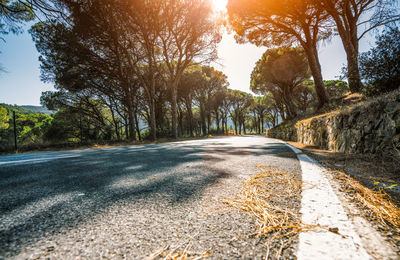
<point>336,88</point>
<point>380,67</point>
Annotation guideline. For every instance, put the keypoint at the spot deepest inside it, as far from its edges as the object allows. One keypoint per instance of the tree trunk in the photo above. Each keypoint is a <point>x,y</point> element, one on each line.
<point>190,118</point>
<point>235,124</point>
<point>126,128</point>
<point>131,121</point>
<point>208,121</point>
<point>217,120</point>
<point>348,32</point>
<point>180,117</point>
<point>137,126</point>
<point>315,66</point>
<point>290,107</point>
<point>153,127</point>
<point>116,125</point>
<point>353,71</point>
<point>203,120</point>
<point>174,91</point>
<point>262,123</point>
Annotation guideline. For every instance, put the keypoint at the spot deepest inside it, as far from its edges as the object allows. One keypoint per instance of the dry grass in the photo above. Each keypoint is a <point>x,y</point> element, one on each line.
<point>267,197</point>
<point>365,168</point>
<point>377,201</point>
<point>168,253</point>
<point>347,104</point>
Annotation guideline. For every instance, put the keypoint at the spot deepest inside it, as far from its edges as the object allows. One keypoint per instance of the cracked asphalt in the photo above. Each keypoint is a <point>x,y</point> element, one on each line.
<point>127,202</point>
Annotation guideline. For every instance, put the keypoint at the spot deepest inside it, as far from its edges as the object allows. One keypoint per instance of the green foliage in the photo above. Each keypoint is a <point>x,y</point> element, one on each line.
<point>380,67</point>
<point>305,96</point>
<point>64,127</point>
<point>279,72</point>
<point>12,14</point>
<point>278,23</point>
<point>3,118</point>
<point>336,88</point>
<point>31,127</point>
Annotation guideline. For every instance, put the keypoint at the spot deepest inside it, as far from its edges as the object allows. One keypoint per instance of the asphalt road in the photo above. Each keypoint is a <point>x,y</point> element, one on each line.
<point>128,202</point>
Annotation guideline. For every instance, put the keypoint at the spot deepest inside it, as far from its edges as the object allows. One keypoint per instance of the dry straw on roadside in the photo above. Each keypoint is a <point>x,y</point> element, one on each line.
<point>377,201</point>
<point>268,196</point>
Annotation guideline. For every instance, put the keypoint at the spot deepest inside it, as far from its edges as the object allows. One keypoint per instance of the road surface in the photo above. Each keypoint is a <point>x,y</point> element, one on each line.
<point>128,202</point>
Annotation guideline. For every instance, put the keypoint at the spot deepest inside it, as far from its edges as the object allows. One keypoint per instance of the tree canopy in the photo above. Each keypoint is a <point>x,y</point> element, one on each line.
<point>3,118</point>
<point>380,67</point>
<point>283,23</point>
<point>353,20</point>
<point>280,71</point>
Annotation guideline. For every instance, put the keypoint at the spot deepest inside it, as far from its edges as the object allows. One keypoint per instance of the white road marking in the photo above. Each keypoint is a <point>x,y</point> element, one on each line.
<point>37,160</point>
<point>321,206</point>
<point>21,159</point>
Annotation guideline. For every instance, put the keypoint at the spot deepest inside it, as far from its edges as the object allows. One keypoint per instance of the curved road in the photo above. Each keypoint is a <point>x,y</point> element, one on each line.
<point>127,202</point>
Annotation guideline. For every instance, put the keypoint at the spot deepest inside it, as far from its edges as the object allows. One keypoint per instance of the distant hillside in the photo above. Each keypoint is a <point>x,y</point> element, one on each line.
<point>26,109</point>
<point>38,109</point>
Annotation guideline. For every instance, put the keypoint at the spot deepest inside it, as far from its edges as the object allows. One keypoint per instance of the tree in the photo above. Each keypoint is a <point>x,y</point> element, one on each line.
<point>129,57</point>
<point>304,95</point>
<point>191,79</point>
<point>31,127</point>
<point>12,14</point>
<point>272,112</point>
<point>241,102</point>
<point>217,103</point>
<point>85,113</point>
<point>3,118</point>
<point>65,126</point>
<point>352,15</point>
<point>225,109</point>
<point>208,93</point>
<point>336,88</point>
<point>216,82</point>
<point>259,107</point>
<point>283,23</point>
<point>280,71</point>
<point>380,67</point>
<point>164,38</point>
<point>189,33</point>
<point>92,52</point>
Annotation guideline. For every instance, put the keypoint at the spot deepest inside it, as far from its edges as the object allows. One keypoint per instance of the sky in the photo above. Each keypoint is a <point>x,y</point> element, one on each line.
<point>20,83</point>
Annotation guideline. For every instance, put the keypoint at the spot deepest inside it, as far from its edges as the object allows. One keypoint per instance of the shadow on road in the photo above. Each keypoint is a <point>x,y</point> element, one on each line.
<point>41,199</point>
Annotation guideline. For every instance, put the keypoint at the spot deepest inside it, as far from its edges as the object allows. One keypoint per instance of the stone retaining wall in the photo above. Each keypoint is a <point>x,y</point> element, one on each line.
<point>370,127</point>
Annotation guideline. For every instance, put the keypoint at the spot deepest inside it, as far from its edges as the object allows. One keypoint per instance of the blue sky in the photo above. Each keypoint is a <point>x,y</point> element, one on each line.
<point>21,84</point>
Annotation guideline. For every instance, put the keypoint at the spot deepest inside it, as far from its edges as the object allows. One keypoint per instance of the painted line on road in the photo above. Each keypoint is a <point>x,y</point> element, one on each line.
<point>143,148</point>
<point>321,206</point>
<point>130,149</point>
<point>37,160</point>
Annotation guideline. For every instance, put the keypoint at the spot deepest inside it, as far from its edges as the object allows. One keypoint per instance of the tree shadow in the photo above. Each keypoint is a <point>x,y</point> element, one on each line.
<point>44,198</point>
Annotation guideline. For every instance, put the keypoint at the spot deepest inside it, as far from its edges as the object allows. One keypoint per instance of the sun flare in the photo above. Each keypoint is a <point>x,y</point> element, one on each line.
<point>220,5</point>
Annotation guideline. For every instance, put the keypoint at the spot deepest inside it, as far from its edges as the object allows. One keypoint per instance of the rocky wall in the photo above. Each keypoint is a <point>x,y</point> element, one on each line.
<point>369,127</point>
